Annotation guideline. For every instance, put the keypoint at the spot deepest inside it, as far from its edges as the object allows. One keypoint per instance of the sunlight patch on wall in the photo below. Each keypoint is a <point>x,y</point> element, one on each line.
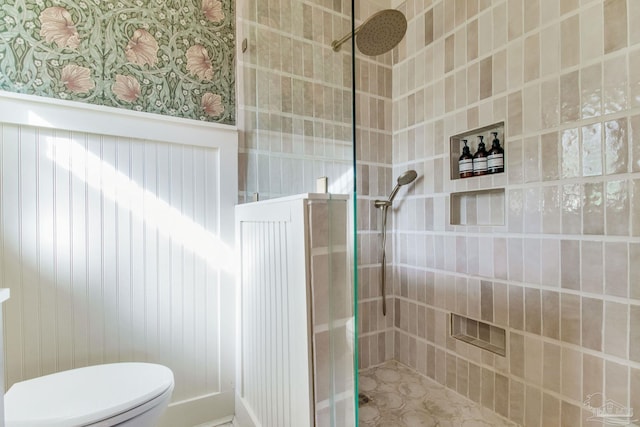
<point>143,204</point>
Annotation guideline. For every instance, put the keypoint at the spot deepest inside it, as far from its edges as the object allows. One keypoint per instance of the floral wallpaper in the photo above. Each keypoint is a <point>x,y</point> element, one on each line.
<point>171,57</point>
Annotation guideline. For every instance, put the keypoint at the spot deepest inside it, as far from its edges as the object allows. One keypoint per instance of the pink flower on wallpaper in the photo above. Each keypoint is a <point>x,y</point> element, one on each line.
<point>212,104</point>
<point>57,27</point>
<point>198,62</point>
<point>77,79</point>
<point>212,10</point>
<point>142,48</point>
<point>126,88</point>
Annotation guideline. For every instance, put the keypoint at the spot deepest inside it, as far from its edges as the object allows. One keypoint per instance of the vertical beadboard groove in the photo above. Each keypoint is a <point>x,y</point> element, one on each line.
<point>98,281</point>
<point>132,279</point>
<point>288,418</point>
<point>30,200</point>
<point>171,252</point>
<point>20,254</point>
<point>115,161</point>
<point>79,201</point>
<point>273,354</point>
<point>57,239</point>
<point>11,236</point>
<point>37,249</point>
<point>103,334</point>
<point>130,289</point>
<point>72,313</point>
<point>145,264</point>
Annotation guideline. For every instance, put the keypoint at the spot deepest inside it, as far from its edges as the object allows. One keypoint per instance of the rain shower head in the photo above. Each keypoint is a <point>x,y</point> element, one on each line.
<point>380,33</point>
<point>406,178</point>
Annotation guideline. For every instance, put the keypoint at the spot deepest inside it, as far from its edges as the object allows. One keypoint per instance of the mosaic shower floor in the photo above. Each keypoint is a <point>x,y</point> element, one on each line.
<point>398,396</point>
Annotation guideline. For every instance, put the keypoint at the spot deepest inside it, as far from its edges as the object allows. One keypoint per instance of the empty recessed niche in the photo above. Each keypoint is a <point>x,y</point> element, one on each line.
<point>471,136</point>
<point>477,207</point>
<point>480,334</point>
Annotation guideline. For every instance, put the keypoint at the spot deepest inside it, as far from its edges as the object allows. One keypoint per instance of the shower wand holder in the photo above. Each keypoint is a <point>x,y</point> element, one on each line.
<point>405,178</point>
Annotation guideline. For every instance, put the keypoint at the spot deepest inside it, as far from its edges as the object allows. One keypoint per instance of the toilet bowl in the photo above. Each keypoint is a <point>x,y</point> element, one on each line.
<point>117,394</point>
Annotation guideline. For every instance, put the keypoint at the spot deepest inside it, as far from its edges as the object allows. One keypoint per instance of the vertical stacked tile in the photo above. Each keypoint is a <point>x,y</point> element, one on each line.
<point>294,98</point>
<point>295,113</point>
<point>374,181</point>
<point>332,312</point>
<point>561,275</point>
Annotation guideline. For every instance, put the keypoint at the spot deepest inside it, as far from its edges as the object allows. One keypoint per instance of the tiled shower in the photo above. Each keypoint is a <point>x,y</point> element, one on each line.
<point>558,271</point>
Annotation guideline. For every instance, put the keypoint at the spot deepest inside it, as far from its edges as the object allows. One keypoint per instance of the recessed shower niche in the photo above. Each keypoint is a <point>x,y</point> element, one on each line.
<point>473,138</point>
<point>480,334</point>
<point>478,207</point>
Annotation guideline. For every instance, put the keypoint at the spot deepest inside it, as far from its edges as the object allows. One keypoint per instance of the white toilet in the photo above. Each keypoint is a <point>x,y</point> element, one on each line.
<point>118,394</point>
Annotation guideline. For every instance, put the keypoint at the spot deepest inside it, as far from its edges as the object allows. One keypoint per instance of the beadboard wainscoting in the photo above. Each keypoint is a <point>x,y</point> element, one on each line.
<point>116,238</point>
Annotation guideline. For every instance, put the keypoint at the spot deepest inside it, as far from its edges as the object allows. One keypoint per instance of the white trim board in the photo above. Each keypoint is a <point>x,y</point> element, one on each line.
<point>59,114</point>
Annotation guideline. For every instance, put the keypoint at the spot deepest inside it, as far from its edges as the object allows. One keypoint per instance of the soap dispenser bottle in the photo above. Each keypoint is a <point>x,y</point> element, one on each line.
<point>465,164</point>
<point>495,157</point>
<point>480,158</point>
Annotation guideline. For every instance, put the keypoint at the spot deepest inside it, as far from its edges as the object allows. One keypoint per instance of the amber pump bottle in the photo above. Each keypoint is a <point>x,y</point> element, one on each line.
<point>495,158</point>
<point>480,159</point>
<point>465,163</point>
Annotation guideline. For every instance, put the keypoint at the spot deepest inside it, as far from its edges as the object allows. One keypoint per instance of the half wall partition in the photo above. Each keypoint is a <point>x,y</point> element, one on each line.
<point>295,113</point>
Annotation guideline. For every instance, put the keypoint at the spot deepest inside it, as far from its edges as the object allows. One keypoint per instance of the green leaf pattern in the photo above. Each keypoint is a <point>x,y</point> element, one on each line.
<point>171,57</point>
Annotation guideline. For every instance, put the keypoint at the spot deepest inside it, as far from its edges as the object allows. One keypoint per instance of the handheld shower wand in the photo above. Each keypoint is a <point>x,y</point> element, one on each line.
<point>406,178</point>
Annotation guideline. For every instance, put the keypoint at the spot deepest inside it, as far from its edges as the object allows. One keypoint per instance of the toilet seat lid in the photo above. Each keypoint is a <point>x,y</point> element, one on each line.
<point>85,395</point>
